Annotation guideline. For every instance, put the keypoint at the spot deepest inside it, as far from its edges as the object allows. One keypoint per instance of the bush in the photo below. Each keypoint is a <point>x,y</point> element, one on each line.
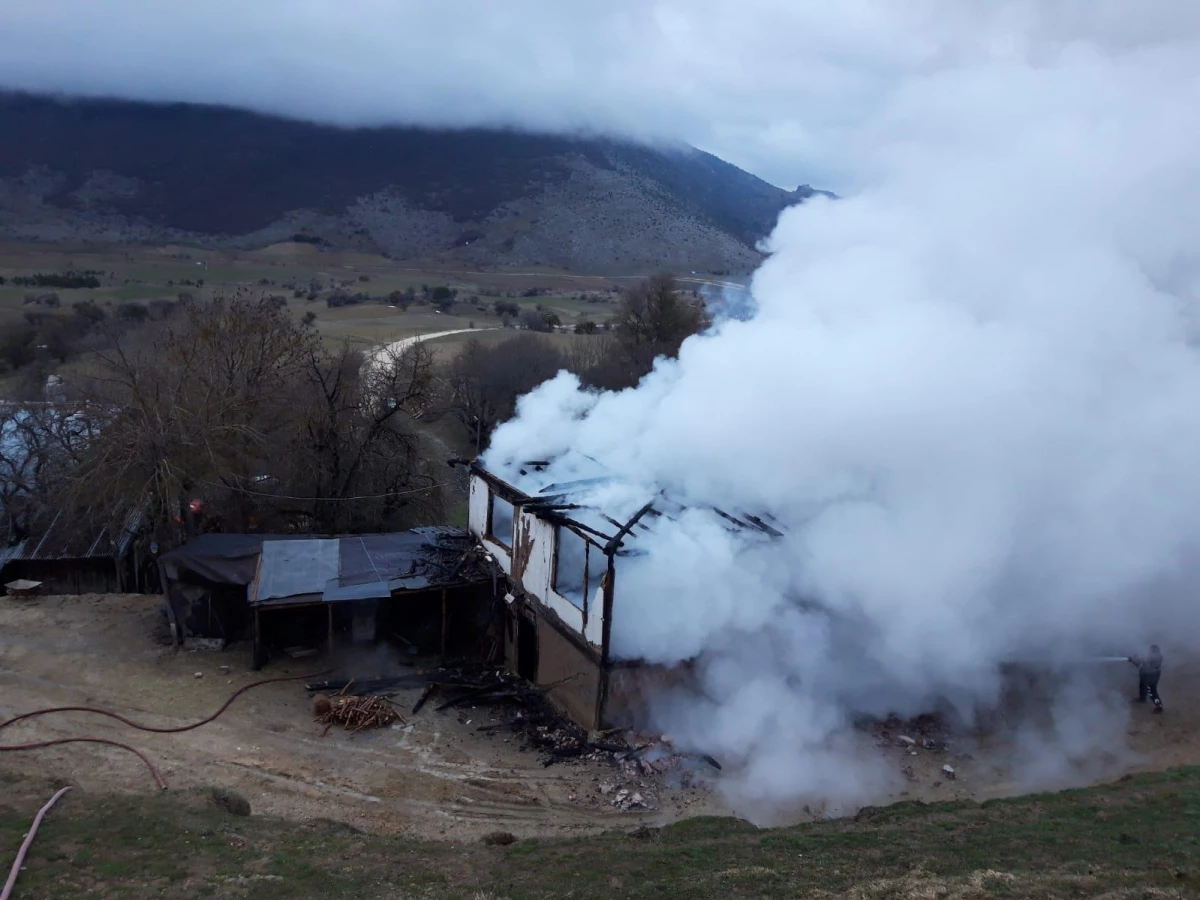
<point>133,312</point>
<point>89,312</point>
<point>535,320</point>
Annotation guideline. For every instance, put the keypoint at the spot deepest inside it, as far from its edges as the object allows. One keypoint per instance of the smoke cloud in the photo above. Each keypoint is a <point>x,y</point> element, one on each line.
<point>968,395</point>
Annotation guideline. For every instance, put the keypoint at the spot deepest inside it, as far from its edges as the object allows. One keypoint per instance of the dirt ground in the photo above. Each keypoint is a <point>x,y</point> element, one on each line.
<point>435,777</point>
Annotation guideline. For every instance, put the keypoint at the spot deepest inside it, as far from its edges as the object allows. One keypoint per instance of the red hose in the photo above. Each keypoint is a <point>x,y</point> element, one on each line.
<point>27,843</point>
<point>91,740</point>
<point>175,730</point>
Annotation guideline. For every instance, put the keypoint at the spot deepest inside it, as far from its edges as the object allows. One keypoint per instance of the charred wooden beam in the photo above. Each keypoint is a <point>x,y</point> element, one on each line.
<point>627,527</point>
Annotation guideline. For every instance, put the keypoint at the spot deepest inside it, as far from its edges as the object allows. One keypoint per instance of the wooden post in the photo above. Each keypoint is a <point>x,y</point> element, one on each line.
<point>257,642</point>
<point>329,606</point>
<point>445,620</point>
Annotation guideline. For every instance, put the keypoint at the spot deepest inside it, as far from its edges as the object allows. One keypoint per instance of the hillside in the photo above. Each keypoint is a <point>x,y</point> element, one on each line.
<point>1136,838</point>
<point>116,171</point>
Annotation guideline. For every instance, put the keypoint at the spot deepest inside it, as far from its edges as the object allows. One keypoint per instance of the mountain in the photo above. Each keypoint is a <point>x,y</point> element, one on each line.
<point>118,171</point>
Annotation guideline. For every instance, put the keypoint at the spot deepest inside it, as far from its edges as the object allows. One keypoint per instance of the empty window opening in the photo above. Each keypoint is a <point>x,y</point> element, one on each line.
<point>500,521</point>
<point>571,558</point>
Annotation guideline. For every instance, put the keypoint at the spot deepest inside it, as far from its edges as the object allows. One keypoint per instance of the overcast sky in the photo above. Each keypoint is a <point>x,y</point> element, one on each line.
<point>779,87</point>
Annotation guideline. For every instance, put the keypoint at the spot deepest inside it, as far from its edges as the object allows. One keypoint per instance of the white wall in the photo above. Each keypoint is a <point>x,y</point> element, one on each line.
<point>477,522</point>
<point>539,536</point>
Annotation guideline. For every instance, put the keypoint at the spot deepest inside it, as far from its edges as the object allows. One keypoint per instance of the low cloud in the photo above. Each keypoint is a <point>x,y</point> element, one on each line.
<point>777,86</point>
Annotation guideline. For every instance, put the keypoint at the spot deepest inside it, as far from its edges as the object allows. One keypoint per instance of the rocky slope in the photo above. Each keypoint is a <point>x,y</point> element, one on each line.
<point>115,171</point>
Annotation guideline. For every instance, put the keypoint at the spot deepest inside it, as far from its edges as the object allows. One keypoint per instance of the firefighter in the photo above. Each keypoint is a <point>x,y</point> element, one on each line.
<point>1149,671</point>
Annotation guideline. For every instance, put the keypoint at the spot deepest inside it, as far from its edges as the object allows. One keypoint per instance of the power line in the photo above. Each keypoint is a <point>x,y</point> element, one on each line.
<point>327,499</point>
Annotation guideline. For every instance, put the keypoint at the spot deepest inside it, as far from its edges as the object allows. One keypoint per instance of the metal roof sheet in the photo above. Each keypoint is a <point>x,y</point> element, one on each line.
<point>294,568</point>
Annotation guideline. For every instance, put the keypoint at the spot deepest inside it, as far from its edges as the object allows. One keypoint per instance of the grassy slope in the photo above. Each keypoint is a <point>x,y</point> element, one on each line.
<point>1139,837</point>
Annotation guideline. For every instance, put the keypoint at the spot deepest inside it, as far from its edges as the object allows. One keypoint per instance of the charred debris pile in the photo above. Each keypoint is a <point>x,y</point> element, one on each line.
<point>530,716</point>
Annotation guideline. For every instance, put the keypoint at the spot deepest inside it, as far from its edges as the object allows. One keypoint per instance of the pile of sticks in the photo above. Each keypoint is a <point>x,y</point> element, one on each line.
<point>355,713</point>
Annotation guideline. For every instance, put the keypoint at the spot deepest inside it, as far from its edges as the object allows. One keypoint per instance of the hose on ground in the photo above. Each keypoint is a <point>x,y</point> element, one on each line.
<point>174,730</point>
<point>27,843</point>
<point>37,745</point>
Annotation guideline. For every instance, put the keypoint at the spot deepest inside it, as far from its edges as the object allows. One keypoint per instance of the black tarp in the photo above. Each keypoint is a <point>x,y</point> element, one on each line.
<point>205,583</point>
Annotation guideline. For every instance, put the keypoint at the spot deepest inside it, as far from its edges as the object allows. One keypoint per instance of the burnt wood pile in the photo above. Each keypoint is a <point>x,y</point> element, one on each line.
<point>530,715</point>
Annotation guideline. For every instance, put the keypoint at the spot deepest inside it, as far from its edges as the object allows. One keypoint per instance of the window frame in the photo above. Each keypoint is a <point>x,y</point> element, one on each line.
<point>491,531</point>
<point>587,563</point>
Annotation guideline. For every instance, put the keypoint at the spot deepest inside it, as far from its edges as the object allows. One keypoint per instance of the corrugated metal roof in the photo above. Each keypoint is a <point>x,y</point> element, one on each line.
<point>296,568</point>
<point>60,539</point>
<point>13,552</point>
<point>363,567</point>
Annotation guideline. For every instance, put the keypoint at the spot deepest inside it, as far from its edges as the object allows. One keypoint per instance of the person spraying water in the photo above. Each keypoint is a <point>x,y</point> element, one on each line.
<point>1149,671</point>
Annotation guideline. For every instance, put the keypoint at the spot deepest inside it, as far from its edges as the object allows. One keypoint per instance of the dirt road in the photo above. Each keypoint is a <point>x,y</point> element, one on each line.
<point>436,777</point>
<point>395,348</point>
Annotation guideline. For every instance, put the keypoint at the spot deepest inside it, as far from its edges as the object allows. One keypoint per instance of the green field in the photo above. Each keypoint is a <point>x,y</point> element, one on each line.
<point>1139,838</point>
<point>145,273</point>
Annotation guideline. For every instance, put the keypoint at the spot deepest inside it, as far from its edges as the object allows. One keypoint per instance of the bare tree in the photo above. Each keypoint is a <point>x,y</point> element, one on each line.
<point>39,444</point>
<point>484,381</point>
<point>237,406</point>
<point>363,465</point>
<point>653,319</point>
<point>198,405</point>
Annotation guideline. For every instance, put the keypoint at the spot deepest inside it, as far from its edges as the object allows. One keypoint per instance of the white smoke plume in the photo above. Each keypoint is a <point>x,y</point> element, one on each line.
<point>970,395</point>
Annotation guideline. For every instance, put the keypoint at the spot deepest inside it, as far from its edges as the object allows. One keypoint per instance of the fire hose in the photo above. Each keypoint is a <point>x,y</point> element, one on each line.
<point>25,845</point>
<point>112,715</point>
<point>151,728</point>
<point>158,779</point>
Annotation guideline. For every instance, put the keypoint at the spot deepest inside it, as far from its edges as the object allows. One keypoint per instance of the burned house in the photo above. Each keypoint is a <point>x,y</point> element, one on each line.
<point>561,558</point>
<point>423,589</point>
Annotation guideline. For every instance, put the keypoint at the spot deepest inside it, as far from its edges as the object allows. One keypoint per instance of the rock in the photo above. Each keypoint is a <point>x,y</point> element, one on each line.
<point>499,838</point>
<point>606,789</point>
<point>222,670</point>
<point>230,801</point>
<point>949,770</point>
<point>907,741</point>
<point>205,644</point>
<point>199,675</point>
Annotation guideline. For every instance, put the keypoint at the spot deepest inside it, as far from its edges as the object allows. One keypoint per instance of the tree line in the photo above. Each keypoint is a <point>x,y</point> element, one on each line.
<point>89,278</point>
<point>234,403</point>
